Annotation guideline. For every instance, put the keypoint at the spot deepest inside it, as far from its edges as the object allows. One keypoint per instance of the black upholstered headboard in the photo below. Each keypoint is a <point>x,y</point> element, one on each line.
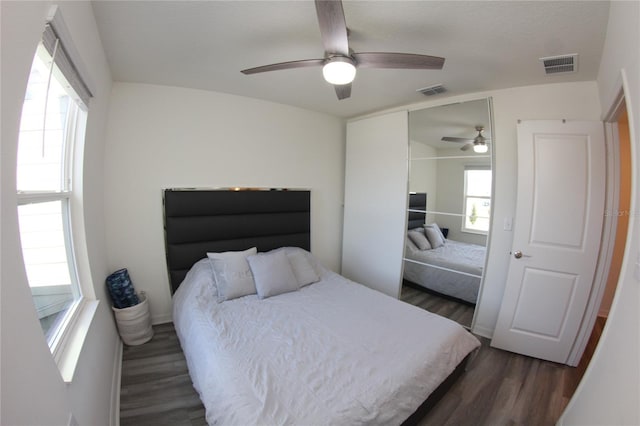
<point>417,201</point>
<point>201,221</point>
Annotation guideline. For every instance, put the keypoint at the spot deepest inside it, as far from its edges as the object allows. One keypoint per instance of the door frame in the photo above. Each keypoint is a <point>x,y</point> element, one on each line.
<point>612,196</point>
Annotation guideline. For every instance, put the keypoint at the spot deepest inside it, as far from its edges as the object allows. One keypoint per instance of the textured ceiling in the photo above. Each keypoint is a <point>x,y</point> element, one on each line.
<point>487,45</point>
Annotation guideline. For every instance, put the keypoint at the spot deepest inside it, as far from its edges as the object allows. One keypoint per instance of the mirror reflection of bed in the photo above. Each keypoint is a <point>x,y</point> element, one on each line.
<point>441,275</point>
<point>449,207</point>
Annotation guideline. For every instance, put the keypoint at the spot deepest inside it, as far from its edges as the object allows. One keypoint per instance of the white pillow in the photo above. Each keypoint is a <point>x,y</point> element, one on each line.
<point>272,274</point>
<point>435,238</point>
<point>437,228</point>
<point>410,244</point>
<point>232,273</point>
<point>302,268</point>
<point>419,238</point>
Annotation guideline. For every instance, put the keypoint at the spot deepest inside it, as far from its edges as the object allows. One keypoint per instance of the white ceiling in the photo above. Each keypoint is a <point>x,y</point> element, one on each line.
<point>487,45</point>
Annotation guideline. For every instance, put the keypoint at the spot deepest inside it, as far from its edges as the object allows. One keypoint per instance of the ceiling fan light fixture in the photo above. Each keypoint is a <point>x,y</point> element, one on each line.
<point>480,148</point>
<point>339,70</point>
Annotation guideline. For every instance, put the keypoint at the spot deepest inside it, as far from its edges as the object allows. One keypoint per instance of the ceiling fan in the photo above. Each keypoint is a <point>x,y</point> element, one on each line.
<point>340,62</point>
<point>479,143</point>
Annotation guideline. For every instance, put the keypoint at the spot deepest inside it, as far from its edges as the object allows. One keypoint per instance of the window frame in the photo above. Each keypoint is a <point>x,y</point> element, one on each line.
<point>465,199</point>
<point>59,338</point>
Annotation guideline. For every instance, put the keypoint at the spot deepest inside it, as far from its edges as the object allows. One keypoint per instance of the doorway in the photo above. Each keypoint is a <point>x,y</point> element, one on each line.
<point>618,215</point>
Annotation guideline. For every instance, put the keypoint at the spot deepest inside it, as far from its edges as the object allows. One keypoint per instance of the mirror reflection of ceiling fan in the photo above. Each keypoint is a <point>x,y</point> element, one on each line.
<point>479,143</point>
<point>340,62</point>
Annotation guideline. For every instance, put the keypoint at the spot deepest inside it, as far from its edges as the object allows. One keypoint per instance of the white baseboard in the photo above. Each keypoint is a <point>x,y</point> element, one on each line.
<point>161,319</point>
<point>483,331</point>
<point>115,384</point>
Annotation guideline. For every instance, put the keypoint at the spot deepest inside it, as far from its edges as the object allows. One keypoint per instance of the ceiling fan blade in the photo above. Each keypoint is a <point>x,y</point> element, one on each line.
<point>467,146</point>
<point>452,139</point>
<point>285,66</point>
<point>333,27</point>
<point>397,60</point>
<point>343,90</point>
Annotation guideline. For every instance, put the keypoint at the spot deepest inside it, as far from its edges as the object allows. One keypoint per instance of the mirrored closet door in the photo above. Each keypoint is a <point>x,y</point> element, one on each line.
<point>449,207</point>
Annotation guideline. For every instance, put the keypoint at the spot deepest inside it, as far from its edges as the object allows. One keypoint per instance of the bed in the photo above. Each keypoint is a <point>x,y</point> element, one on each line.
<point>327,352</point>
<point>454,269</point>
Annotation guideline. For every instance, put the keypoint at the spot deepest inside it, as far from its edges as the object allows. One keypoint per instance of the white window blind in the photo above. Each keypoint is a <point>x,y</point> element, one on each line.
<point>61,58</point>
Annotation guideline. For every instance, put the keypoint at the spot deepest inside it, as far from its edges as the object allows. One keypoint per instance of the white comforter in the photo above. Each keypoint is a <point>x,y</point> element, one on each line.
<point>454,269</point>
<point>332,353</point>
<point>455,255</point>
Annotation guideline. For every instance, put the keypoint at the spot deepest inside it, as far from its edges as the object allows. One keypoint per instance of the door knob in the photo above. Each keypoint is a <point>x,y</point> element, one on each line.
<point>519,255</point>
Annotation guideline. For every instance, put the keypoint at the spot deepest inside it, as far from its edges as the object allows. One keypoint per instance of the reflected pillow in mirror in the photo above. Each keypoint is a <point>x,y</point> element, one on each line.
<point>418,237</point>
<point>435,237</point>
<point>437,228</point>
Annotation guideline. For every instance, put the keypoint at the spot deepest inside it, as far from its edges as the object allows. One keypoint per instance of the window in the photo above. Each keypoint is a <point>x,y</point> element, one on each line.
<point>52,124</point>
<point>477,200</point>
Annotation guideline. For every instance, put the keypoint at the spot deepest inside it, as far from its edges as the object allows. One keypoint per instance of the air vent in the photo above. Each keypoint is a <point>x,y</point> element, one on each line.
<point>432,90</point>
<point>560,64</point>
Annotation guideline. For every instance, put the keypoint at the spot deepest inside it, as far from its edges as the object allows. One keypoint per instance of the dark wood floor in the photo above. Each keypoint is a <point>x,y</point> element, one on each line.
<point>156,388</point>
<point>499,388</point>
<point>460,312</point>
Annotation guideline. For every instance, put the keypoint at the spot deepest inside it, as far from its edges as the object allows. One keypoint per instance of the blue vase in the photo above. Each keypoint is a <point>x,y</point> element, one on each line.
<point>121,290</point>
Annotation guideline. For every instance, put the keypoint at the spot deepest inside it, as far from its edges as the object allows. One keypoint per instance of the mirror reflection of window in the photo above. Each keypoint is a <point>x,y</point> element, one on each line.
<point>477,200</point>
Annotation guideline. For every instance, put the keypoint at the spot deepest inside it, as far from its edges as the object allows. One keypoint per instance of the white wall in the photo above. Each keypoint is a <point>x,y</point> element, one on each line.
<point>610,390</point>
<point>33,391</point>
<point>162,137</point>
<point>423,174</point>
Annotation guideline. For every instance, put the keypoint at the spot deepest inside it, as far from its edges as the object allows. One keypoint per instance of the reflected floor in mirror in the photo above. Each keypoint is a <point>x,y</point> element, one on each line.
<point>462,313</point>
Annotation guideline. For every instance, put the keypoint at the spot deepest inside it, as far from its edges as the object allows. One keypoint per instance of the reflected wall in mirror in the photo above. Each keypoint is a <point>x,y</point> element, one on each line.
<point>449,208</point>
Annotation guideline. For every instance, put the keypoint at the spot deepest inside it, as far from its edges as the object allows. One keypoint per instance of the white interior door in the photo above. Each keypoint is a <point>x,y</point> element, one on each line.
<point>559,214</point>
<point>375,201</point>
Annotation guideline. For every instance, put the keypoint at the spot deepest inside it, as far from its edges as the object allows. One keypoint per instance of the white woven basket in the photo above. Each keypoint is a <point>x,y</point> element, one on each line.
<point>134,322</point>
